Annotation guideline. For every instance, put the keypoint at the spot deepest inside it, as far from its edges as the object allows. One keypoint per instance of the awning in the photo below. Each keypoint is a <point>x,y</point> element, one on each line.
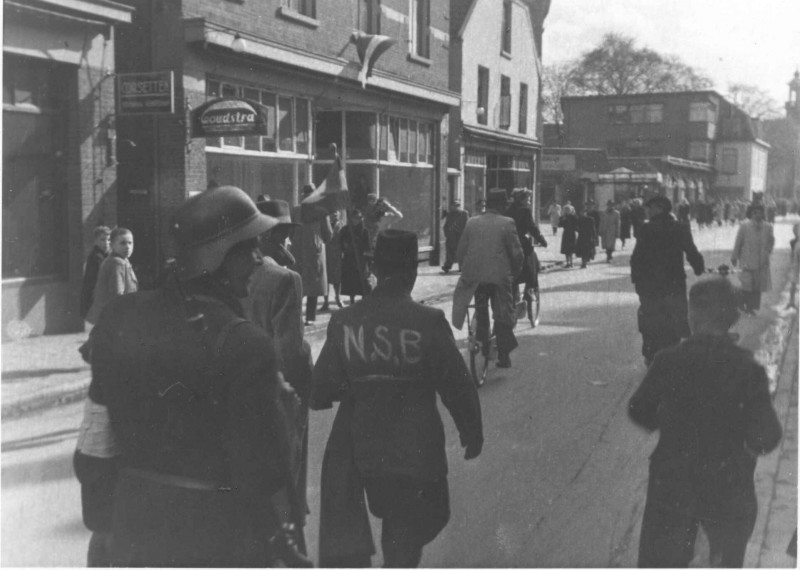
<point>493,141</point>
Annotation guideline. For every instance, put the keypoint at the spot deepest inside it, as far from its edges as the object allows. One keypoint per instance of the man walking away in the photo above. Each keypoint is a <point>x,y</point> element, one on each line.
<point>454,225</point>
<point>658,276</point>
<point>385,359</point>
<point>609,229</point>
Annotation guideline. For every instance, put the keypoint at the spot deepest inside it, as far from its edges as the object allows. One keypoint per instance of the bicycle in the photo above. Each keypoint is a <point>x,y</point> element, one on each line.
<point>532,296</point>
<point>487,349</point>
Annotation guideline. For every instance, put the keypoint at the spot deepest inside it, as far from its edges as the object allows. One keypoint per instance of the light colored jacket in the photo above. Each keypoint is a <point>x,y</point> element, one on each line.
<point>488,252</point>
<point>308,248</point>
<point>555,214</point>
<point>115,278</point>
<point>753,246</point>
<point>609,228</point>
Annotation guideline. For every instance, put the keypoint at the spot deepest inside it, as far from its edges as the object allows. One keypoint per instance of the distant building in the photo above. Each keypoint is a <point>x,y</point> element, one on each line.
<point>59,154</point>
<point>495,63</point>
<point>694,144</point>
<point>783,135</point>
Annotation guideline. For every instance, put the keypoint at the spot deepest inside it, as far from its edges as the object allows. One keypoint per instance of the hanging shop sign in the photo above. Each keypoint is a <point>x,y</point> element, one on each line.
<point>230,116</point>
<point>146,93</point>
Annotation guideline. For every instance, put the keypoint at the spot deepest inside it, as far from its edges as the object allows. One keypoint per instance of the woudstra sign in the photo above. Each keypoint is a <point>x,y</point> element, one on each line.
<point>229,116</point>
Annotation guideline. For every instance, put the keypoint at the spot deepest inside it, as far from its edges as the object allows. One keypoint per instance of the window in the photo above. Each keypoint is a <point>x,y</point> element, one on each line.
<point>505,102</point>
<point>420,28</point>
<point>35,94</point>
<point>288,121</point>
<point>523,108</point>
<point>405,140</point>
<point>700,151</point>
<point>483,94</point>
<point>619,114</point>
<point>730,161</point>
<point>304,7</point>
<point>360,135</point>
<point>506,32</point>
<point>369,16</point>
<point>702,112</point>
<point>652,113</point>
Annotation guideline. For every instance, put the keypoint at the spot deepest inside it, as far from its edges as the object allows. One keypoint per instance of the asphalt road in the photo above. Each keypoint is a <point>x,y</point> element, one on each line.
<point>560,483</point>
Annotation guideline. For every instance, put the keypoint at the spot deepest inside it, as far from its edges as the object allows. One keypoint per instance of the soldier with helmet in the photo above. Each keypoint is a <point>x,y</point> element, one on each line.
<point>192,391</point>
<point>385,359</point>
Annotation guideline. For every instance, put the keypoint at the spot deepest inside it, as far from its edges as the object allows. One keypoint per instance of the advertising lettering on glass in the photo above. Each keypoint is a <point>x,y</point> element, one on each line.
<point>145,93</point>
<point>229,116</point>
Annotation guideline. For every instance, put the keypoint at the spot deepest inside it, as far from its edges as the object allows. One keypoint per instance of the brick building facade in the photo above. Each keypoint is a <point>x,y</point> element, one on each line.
<point>59,172</point>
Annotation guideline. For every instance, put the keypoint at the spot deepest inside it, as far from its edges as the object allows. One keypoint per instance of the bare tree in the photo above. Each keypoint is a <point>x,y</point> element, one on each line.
<point>557,83</point>
<point>754,101</point>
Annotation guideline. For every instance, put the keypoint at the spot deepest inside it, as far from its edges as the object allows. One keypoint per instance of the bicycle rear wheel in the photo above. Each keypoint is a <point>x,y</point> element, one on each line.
<point>478,361</point>
<point>534,304</point>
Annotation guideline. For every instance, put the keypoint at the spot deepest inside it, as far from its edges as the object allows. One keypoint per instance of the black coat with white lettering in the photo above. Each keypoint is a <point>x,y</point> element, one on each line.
<point>391,356</point>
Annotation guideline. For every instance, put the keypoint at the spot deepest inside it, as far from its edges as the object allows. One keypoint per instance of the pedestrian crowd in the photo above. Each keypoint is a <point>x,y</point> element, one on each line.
<point>193,450</point>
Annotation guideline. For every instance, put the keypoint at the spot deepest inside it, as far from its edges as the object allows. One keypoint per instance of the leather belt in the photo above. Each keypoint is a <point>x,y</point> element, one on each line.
<point>174,480</point>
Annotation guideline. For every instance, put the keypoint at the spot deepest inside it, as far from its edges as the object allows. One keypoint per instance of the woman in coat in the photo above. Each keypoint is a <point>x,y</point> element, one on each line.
<point>333,260</point>
<point>624,223</point>
<point>308,248</point>
<point>354,240</point>
<point>587,238</point>
<point>754,242</point>
<point>569,221</point>
<point>609,229</point>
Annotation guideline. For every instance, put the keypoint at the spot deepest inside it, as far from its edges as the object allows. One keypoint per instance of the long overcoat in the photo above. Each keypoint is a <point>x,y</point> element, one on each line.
<point>587,239</point>
<point>752,248</point>
<point>609,229</point>
<point>308,248</point>
<point>570,235</point>
<point>625,222</point>
<point>354,241</point>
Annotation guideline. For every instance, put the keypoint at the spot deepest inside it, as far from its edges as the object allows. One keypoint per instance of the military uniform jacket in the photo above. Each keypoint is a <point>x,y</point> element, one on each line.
<point>391,356</point>
<point>710,401</point>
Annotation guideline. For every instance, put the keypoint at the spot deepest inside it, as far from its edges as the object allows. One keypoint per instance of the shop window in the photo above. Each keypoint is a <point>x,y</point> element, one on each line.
<point>483,95</point>
<point>360,129</point>
<point>730,161</point>
<point>423,142</point>
<point>394,139</point>
<point>403,154</point>
<point>411,191</point>
<point>523,108</point>
<point>327,130</point>
<point>35,190</point>
<point>252,142</point>
<point>505,102</point>
<point>269,141</point>
<point>369,16</point>
<point>700,151</point>
<point>301,121</point>
<point>384,149</point>
<point>412,142</point>
<point>420,27</point>
<point>285,124</point>
<point>506,47</point>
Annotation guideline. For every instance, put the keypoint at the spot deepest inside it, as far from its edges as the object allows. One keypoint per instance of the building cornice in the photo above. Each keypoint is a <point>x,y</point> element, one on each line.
<point>201,30</point>
<point>105,11</point>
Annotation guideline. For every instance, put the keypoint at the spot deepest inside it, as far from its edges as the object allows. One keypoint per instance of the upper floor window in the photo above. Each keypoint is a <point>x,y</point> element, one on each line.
<point>406,141</point>
<point>653,113</point>
<point>369,16</point>
<point>730,161</point>
<point>506,47</point>
<point>304,7</point>
<point>420,28</point>
<point>700,151</point>
<point>288,121</point>
<point>505,102</point>
<point>523,108</point>
<point>702,111</point>
<point>483,95</point>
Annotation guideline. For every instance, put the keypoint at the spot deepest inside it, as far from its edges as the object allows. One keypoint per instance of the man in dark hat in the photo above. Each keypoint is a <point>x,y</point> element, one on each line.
<point>491,257</point>
<point>454,225</point>
<point>385,359</point>
<point>659,278</point>
<point>192,393</point>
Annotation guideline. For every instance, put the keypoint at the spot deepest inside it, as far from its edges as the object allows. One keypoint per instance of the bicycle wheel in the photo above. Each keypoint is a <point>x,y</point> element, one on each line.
<point>533,304</point>
<point>478,361</point>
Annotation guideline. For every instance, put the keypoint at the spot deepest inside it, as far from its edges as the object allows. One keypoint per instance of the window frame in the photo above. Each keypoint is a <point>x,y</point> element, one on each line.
<point>504,117</point>
<point>505,32</point>
<point>420,29</point>
<point>523,108</point>
<point>369,16</point>
<point>483,95</point>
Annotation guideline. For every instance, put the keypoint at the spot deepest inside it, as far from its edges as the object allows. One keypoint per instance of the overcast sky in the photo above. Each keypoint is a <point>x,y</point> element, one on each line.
<point>748,41</point>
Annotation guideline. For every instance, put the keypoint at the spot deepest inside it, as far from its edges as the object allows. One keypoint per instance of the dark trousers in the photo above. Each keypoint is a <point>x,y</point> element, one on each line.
<point>663,321</point>
<point>751,300</point>
<point>413,511</point>
<point>668,537</point>
<point>311,308</point>
<point>502,303</point>
<point>450,247</point>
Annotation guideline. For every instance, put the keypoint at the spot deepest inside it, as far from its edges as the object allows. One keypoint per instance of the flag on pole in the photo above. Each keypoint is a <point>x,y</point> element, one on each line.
<point>369,47</point>
<point>331,195</point>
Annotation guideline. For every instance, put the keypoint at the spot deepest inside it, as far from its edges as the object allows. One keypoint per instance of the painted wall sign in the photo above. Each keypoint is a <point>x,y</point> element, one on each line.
<point>145,93</point>
<point>229,116</point>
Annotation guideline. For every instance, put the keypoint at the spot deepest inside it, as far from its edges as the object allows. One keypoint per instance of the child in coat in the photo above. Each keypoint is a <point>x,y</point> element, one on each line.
<point>710,400</point>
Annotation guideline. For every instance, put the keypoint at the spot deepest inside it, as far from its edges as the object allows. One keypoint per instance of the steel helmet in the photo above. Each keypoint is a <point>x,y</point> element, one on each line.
<point>206,226</point>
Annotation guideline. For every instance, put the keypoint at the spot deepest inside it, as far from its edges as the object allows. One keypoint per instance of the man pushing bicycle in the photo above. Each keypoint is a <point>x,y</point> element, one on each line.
<point>490,257</point>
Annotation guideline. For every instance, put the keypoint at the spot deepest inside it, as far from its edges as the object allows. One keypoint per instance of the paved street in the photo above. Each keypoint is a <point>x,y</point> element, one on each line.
<point>562,478</point>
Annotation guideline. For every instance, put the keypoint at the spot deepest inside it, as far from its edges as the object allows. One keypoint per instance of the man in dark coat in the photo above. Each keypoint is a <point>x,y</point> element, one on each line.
<point>100,251</point>
<point>192,392</point>
<point>527,230</point>
<point>710,401</point>
<point>385,359</point>
<point>638,216</point>
<point>586,243</point>
<point>454,224</point>
<point>658,276</point>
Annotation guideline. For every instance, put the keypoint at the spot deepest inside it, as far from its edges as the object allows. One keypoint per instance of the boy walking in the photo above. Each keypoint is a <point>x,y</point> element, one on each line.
<point>710,400</point>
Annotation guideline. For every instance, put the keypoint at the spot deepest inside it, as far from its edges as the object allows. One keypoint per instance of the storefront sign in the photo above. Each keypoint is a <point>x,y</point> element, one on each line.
<point>229,117</point>
<point>559,162</point>
<point>634,177</point>
<point>145,93</point>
